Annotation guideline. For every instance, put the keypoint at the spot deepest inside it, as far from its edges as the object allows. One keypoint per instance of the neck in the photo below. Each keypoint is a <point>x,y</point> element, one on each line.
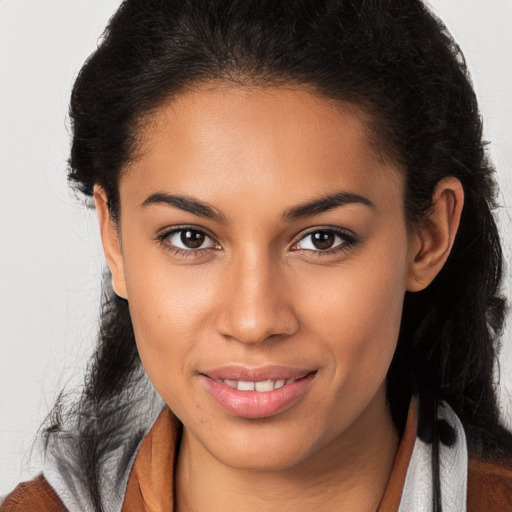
<point>350,472</point>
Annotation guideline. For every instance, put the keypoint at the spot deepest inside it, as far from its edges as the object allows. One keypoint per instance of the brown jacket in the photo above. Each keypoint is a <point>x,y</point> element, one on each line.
<point>150,483</point>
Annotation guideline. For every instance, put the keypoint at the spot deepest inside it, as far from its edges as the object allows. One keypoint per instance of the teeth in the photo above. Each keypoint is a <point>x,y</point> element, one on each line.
<point>262,386</point>
<point>245,386</point>
<point>231,383</point>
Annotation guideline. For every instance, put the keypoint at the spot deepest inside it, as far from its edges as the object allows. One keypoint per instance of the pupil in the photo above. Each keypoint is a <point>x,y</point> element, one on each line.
<point>323,239</point>
<point>192,239</point>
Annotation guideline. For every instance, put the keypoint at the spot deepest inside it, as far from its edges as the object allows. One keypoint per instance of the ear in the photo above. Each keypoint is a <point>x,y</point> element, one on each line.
<point>111,243</point>
<point>433,239</point>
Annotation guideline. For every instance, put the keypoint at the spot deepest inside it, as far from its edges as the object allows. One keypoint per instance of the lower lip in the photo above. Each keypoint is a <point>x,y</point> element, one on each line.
<point>256,404</point>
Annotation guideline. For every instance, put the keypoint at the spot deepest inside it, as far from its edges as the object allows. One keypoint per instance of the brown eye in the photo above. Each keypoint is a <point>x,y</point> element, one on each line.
<point>323,239</point>
<point>192,239</point>
<point>188,239</point>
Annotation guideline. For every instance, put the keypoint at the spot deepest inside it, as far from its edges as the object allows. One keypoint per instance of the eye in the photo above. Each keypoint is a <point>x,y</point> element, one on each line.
<point>187,240</point>
<point>325,240</point>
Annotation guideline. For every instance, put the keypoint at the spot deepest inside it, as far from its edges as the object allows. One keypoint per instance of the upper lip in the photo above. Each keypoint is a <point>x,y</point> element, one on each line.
<point>260,373</point>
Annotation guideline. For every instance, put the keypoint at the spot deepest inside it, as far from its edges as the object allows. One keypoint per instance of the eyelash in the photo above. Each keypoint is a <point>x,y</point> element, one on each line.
<point>348,241</point>
<point>177,251</point>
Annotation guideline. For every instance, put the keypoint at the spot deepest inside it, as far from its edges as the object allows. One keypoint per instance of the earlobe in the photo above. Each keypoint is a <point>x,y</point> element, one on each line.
<point>434,238</point>
<point>110,241</point>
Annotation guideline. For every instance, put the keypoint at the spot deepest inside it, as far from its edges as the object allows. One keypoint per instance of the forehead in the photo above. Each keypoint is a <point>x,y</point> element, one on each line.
<point>251,138</point>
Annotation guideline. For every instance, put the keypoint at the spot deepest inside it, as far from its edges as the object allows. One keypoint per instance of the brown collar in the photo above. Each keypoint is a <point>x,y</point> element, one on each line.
<point>151,481</point>
<point>393,492</point>
<point>150,486</point>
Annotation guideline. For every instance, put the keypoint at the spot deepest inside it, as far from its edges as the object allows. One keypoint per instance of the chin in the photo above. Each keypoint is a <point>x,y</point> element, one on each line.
<point>261,461</point>
<point>260,448</point>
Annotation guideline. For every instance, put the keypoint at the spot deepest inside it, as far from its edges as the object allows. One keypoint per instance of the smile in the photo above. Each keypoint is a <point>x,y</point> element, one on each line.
<point>257,393</point>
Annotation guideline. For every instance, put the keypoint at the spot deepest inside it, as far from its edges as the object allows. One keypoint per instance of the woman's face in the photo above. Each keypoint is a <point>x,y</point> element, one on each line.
<point>264,248</point>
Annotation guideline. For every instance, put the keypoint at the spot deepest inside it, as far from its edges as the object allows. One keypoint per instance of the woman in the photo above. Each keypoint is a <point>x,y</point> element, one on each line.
<point>294,204</point>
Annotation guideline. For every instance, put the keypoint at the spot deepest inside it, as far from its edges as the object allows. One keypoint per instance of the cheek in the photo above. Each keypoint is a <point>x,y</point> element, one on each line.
<point>356,310</point>
<point>168,307</point>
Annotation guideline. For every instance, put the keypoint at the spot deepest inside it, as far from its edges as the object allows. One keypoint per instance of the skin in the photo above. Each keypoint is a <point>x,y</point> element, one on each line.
<point>259,292</point>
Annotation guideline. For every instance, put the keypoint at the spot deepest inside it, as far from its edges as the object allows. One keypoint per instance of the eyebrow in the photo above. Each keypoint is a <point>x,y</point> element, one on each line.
<point>188,204</point>
<point>324,204</point>
<point>203,209</point>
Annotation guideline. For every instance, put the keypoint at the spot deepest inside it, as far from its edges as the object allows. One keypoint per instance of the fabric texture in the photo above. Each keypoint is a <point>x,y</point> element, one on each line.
<point>145,407</point>
<point>34,496</point>
<point>390,501</point>
<point>418,490</point>
<point>147,483</point>
<point>489,486</point>
<point>150,486</point>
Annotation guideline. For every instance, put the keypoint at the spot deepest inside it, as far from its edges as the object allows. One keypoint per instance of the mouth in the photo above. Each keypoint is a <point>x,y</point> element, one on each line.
<point>262,386</point>
<point>257,393</point>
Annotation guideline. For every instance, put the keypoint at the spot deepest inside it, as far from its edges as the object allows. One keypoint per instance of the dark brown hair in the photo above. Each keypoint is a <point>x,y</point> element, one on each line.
<point>392,58</point>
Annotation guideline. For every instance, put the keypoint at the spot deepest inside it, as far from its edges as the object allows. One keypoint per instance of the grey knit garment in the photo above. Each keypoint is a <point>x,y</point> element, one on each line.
<point>417,492</point>
<point>416,496</point>
<point>116,470</point>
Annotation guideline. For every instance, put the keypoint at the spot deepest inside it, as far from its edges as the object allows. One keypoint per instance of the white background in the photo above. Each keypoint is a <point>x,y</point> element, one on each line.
<point>50,255</point>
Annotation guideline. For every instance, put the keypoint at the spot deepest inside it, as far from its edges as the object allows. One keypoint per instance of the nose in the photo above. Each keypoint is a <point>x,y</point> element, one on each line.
<point>255,303</point>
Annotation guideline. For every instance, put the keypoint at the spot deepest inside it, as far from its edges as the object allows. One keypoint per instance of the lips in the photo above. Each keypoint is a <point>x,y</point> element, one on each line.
<point>257,392</point>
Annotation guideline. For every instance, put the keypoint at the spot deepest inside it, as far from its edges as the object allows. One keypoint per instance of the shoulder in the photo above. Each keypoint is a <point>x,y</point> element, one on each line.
<point>489,485</point>
<point>33,496</point>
